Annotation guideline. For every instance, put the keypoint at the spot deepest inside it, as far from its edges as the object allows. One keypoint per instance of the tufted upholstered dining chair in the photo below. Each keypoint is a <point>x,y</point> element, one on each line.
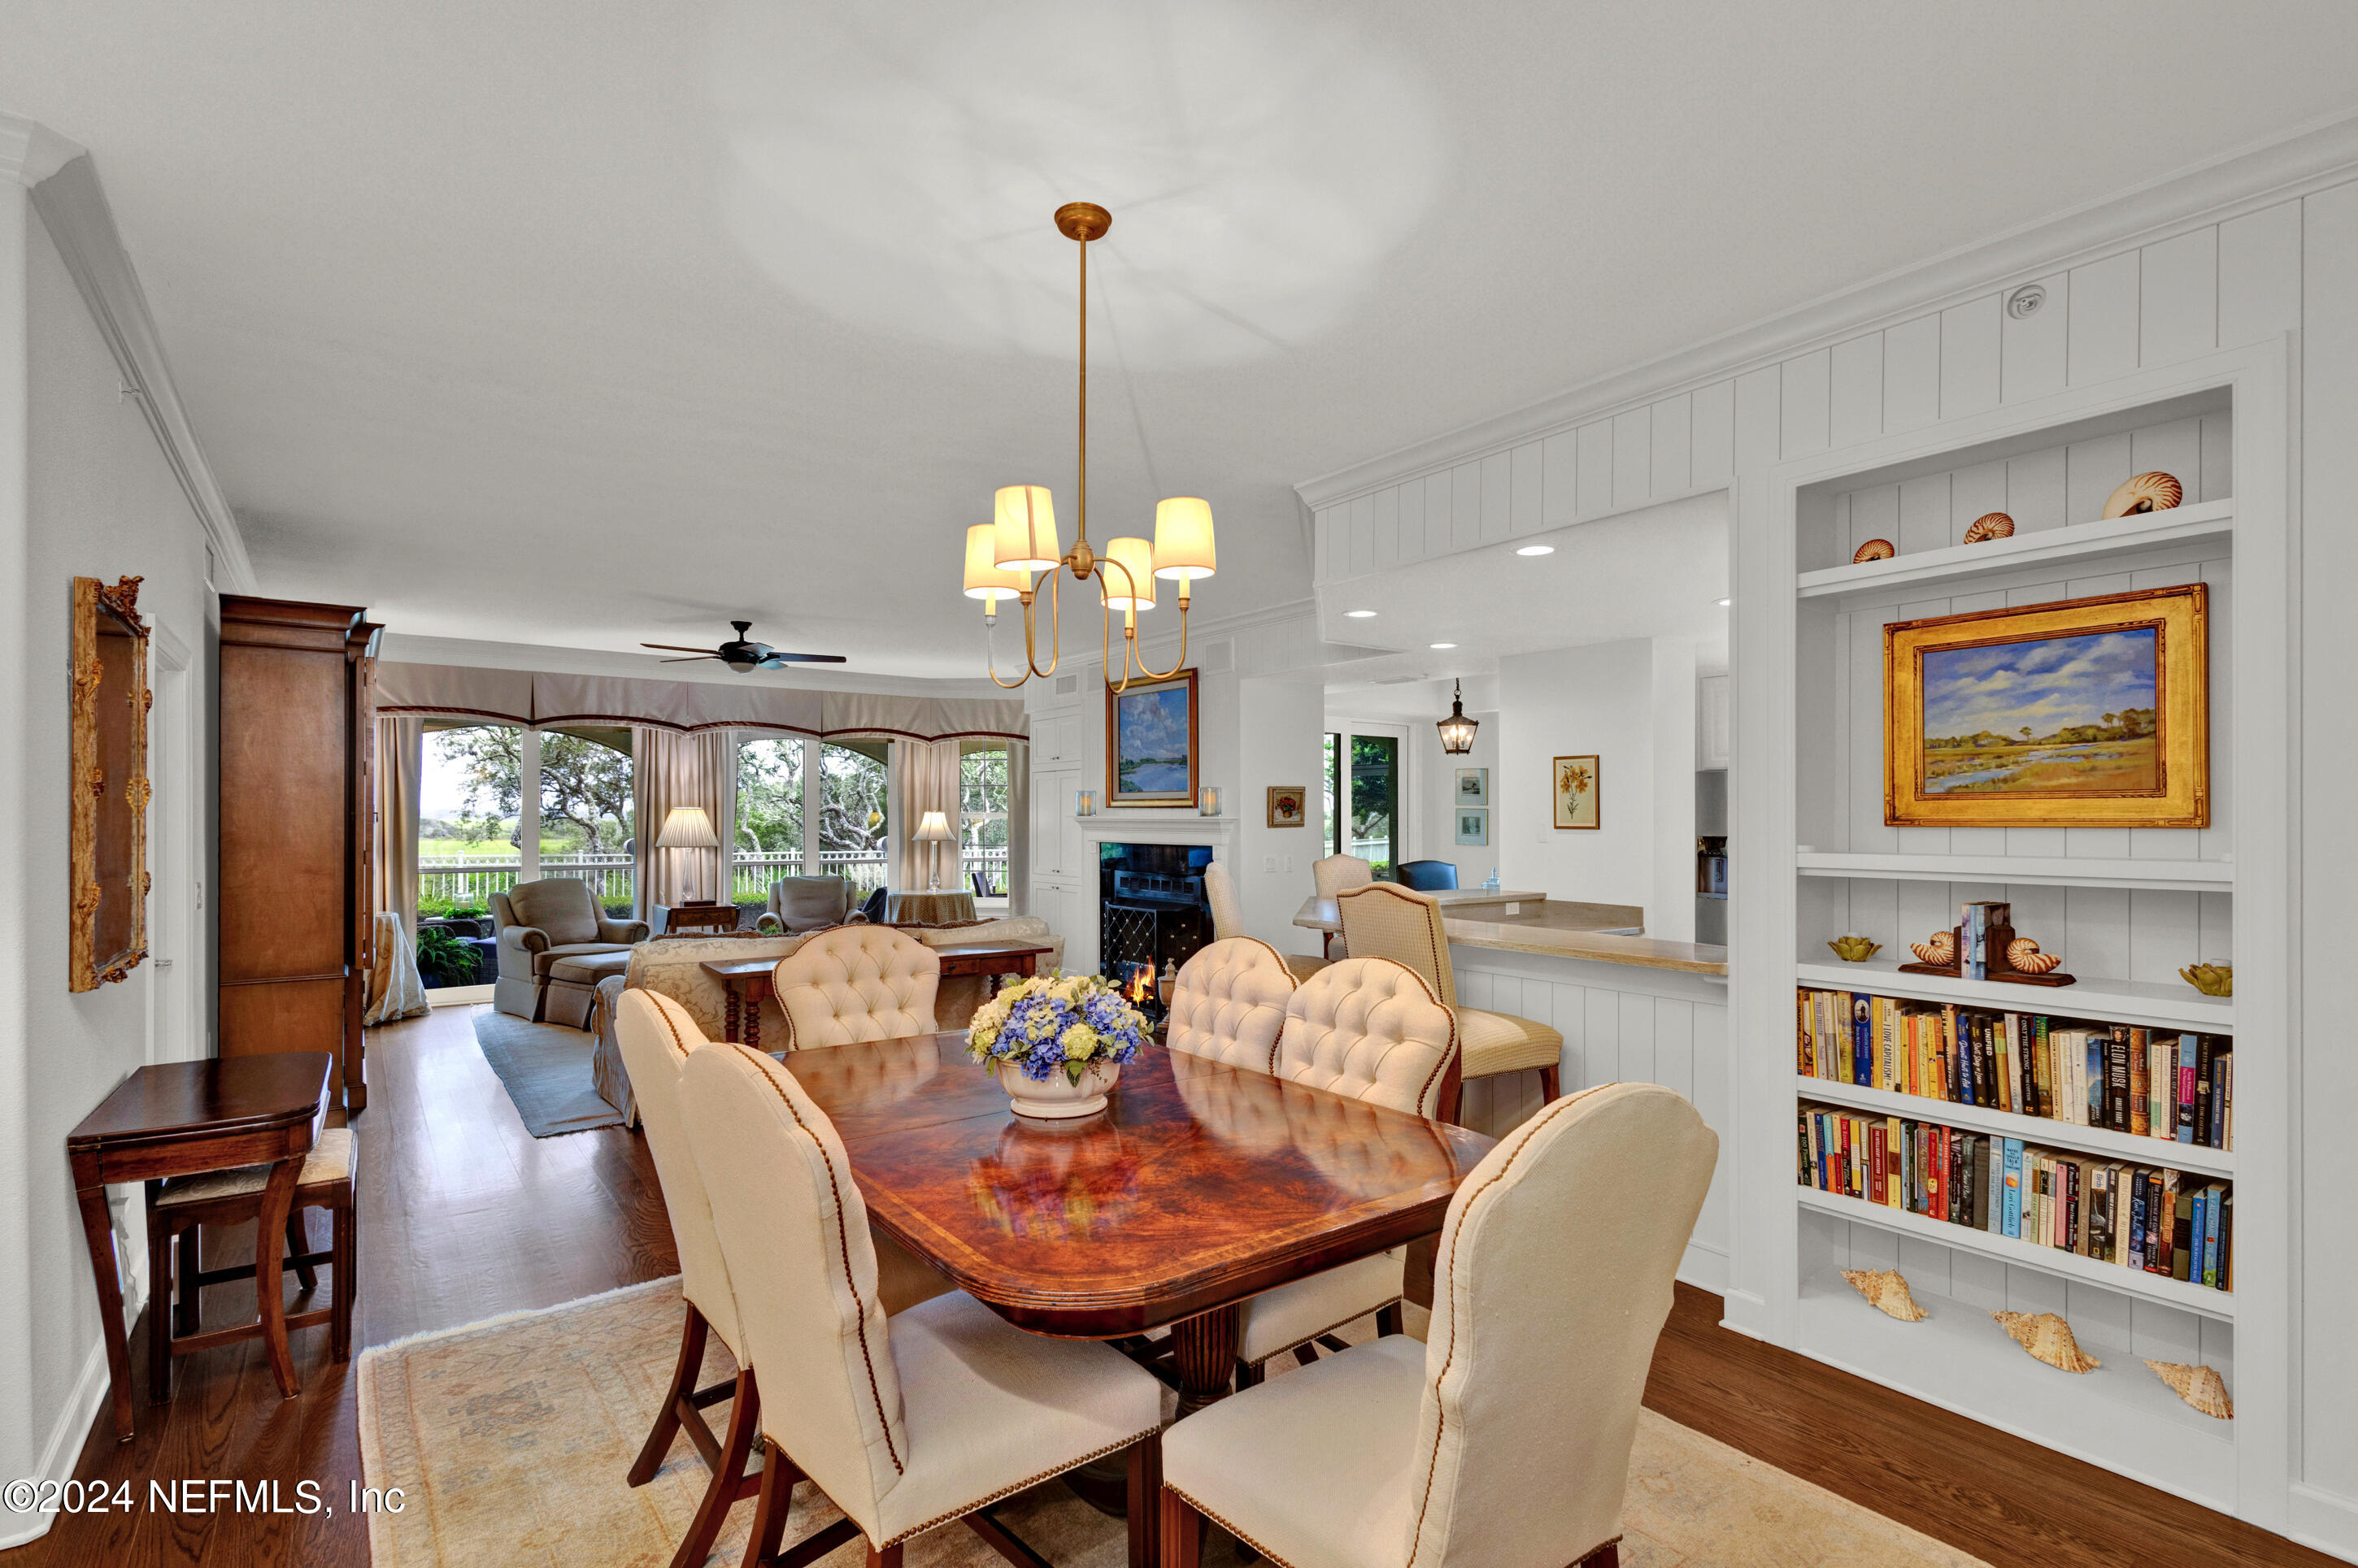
<point>906,1424</point>
<point>1487,1444</point>
<point>855,983</point>
<point>1332,878</point>
<point>1405,926</point>
<point>1368,1028</point>
<point>1229,1003</point>
<point>1228,914</point>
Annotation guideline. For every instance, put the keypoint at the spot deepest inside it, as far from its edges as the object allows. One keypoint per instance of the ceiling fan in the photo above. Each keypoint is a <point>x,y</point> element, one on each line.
<point>742,655</point>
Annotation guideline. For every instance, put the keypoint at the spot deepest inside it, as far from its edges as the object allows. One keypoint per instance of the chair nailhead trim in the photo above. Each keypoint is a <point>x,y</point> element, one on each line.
<point>1004,1492</point>
<point>1266,1554</point>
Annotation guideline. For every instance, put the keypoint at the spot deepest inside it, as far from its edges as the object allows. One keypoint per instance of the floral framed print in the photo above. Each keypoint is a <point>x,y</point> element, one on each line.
<point>1573,783</point>
<point>1151,751</point>
<point>1473,825</point>
<point>1472,788</point>
<point>2086,713</point>
<point>1288,806</point>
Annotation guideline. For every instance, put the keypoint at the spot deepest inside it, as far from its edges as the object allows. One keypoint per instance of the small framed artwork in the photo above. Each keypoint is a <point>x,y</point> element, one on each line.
<point>1151,742</point>
<point>1288,805</point>
<point>1473,786</point>
<point>1573,783</point>
<point>1473,825</point>
<point>2089,713</point>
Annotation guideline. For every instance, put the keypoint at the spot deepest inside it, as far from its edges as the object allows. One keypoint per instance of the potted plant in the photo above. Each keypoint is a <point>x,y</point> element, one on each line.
<point>445,958</point>
<point>1056,1043</point>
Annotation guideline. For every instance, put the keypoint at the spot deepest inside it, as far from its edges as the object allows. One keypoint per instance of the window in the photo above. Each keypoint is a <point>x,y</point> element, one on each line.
<point>586,810</point>
<point>469,799</point>
<point>851,825</point>
<point>1334,817</point>
<point>1363,795</point>
<point>767,842</point>
<point>982,813</point>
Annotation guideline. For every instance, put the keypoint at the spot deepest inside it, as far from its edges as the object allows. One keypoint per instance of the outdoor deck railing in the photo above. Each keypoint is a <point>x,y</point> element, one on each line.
<point>468,881</point>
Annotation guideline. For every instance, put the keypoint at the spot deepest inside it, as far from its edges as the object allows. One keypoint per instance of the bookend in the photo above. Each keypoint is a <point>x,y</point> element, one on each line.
<point>1997,968</point>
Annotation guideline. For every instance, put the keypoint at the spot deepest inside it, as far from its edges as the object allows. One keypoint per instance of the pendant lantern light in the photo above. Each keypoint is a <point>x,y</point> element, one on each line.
<point>1457,730</point>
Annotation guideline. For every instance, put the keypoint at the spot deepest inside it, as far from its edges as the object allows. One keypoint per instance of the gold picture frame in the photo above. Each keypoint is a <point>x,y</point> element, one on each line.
<point>2109,696</point>
<point>108,786</point>
<point>1288,806</point>
<point>1144,725</point>
<point>1574,785</point>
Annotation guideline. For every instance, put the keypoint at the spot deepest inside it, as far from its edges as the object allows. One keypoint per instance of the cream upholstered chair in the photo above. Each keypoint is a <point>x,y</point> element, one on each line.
<point>1504,1439</point>
<point>1229,1003</point>
<point>1405,926</point>
<point>1228,914</point>
<point>855,983</point>
<point>1332,878</point>
<point>906,1424</point>
<point>1370,1029</point>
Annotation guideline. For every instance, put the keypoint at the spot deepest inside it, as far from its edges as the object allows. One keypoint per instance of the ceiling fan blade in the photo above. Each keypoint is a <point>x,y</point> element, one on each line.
<point>692,659</point>
<point>778,658</point>
<point>675,648</point>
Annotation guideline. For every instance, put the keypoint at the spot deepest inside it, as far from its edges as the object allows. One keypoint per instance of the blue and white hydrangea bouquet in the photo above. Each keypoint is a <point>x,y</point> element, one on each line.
<point>1057,1024</point>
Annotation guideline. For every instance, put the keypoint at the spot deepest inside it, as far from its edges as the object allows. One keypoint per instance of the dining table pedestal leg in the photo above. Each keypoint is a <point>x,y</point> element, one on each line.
<point>1205,1354</point>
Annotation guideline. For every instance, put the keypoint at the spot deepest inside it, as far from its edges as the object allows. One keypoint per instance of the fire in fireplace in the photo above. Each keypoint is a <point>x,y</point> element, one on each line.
<point>1153,914</point>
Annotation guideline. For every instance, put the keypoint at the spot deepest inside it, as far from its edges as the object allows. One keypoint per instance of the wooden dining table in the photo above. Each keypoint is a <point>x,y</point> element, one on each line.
<point>1199,1186</point>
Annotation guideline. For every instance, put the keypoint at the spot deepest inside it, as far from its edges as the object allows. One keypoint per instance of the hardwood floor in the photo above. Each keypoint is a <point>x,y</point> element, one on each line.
<point>463,1215</point>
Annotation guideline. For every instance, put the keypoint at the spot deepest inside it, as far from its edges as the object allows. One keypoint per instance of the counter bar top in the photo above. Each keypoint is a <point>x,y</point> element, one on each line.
<point>1553,928</point>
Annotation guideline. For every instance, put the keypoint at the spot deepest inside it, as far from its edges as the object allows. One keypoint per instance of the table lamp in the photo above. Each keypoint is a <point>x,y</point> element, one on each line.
<point>934,828</point>
<point>687,828</point>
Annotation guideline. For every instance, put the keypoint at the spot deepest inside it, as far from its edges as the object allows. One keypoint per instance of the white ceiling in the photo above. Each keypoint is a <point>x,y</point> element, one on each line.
<point>561,323</point>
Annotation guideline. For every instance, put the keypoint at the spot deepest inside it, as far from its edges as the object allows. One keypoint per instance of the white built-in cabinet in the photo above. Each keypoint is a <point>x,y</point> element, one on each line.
<point>1061,862</point>
<point>1711,722</point>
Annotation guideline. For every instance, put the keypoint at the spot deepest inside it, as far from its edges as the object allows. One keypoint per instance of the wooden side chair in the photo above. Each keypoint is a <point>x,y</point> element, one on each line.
<point>1506,1437</point>
<point>907,1424</point>
<point>1370,1029</point>
<point>178,1212</point>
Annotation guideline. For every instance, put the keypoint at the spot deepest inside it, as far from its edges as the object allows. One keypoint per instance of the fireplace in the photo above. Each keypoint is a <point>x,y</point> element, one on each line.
<point>1153,914</point>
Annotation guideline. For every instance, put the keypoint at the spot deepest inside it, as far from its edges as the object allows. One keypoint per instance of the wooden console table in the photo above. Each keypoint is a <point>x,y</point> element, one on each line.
<point>748,984</point>
<point>699,918</point>
<point>181,1118</point>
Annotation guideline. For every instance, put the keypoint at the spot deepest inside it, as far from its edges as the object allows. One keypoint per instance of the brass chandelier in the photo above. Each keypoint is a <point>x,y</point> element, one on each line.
<point>1020,539</point>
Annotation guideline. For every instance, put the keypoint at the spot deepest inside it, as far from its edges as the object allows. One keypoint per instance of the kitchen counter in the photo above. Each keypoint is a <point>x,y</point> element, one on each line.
<point>1563,928</point>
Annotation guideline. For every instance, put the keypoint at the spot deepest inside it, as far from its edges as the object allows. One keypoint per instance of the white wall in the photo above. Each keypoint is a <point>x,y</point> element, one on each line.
<point>1630,703</point>
<point>98,499</point>
<point>1280,741</point>
<point>1429,784</point>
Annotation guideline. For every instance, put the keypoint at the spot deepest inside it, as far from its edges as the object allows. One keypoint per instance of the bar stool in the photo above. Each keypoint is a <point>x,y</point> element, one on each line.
<point>1384,920</point>
<point>180,1209</point>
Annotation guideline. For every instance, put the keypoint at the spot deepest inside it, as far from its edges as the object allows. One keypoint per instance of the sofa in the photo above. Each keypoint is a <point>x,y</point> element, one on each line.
<point>555,946</point>
<point>674,966</point>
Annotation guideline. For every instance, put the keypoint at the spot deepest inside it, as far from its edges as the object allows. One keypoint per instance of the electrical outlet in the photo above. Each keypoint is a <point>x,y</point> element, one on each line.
<point>1289,865</point>
<point>1269,863</point>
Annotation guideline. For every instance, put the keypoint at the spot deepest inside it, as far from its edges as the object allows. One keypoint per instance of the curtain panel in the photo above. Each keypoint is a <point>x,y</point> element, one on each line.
<point>400,744</point>
<point>1018,827</point>
<point>672,769</point>
<point>923,777</point>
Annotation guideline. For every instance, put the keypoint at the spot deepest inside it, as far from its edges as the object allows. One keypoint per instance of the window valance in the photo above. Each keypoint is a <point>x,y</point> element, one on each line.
<point>540,699</point>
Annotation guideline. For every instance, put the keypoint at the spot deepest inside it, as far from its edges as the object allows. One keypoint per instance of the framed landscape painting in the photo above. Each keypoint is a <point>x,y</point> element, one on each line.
<point>2090,713</point>
<point>1574,781</point>
<point>1151,751</point>
<point>1473,786</point>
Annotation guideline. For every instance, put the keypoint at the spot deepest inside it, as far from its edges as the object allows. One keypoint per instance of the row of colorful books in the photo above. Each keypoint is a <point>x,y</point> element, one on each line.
<point>2147,1217</point>
<point>2153,1083</point>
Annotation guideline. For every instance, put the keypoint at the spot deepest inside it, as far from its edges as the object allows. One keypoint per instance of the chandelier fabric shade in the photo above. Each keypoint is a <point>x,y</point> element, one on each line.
<point>1024,517</point>
<point>984,578</point>
<point>1457,730</point>
<point>1183,539</point>
<point>1136,591</point>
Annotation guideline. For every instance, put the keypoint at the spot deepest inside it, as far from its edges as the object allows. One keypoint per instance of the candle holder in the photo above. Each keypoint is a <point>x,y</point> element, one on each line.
<point>1207,801</point>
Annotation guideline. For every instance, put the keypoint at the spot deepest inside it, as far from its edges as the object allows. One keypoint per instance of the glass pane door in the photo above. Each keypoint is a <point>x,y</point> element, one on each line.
<point>1375,802</point>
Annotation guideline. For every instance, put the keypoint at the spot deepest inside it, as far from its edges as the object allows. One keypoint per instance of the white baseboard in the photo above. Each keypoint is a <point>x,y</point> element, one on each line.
<point>2326,1520</point>
<point>63,1450</point>
<point>1704,1268</point>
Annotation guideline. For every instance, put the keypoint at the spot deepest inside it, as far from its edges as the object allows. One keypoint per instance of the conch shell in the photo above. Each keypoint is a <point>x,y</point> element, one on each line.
<point>1940,947</point>
<point>2146,493</point>
<point>1989,526</point>
<point>2023,956</point>
<point>2200,1386</point>
<point>1874,550</point>
<point>2048,1338</point>
<point>1887,1292</point>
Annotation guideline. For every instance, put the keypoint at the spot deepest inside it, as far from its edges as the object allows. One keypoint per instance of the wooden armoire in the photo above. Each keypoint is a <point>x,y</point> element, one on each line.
<point>298,795</point>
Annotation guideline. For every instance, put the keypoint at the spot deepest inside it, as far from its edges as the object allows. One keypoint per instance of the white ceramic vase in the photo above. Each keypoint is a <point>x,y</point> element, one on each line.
<point>1057,1097</point>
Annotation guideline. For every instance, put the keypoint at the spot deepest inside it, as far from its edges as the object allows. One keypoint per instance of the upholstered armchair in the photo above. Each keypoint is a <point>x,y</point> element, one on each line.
<point>809,904</point>
<point>542,926</point>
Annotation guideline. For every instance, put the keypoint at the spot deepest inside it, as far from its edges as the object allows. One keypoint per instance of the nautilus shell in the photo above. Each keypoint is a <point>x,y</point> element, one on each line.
<point>2048,1338</point>
<point>2200,1386</point>
<point>2146,493</point>
<point>2023,956</point>
<point>1940,947</point>
<point>1989,526</point>
<point>1873,550</point>
<point>1887,1292</point>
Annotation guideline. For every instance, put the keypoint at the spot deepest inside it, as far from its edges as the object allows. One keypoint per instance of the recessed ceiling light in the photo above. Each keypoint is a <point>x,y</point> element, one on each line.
<point>1536,550</point>
<point>1726,602</point>
<point>1359,614</point>
<point>1441,644</point>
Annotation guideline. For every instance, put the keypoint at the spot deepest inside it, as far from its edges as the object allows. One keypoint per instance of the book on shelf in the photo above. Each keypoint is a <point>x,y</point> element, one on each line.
<point>2153,1083</point>
<point>2147,1217</point>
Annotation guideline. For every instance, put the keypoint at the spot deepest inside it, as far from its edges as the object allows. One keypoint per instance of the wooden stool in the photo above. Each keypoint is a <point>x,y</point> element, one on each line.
<point>180,1209</point>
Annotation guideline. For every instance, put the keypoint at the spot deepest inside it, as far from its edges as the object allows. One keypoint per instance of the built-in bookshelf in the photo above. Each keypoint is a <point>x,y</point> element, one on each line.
<point>2123,909</point>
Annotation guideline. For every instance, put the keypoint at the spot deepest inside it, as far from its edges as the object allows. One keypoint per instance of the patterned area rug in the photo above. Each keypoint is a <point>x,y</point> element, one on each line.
<point>545,1067</point>
<point>509,1440</point>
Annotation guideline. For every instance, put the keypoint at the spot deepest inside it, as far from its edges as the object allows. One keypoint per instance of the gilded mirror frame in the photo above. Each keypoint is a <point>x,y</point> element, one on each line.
<point>111,699</point>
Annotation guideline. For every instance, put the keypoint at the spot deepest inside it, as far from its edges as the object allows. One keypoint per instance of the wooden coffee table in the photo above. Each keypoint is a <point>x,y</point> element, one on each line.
<point>181,1118</point>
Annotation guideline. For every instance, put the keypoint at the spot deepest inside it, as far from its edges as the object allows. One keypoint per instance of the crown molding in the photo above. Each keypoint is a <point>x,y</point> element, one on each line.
<point>2322,153</point>
<point>73,208</point>
<point>30,152</point>
<point>409,648</point>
